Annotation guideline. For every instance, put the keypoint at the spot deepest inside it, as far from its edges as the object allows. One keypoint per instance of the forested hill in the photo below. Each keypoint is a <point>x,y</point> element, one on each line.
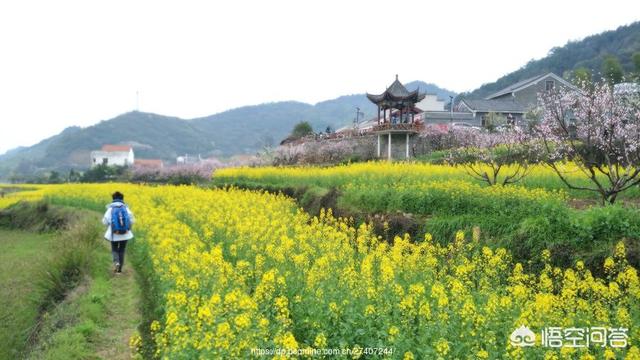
<point>589,53</point>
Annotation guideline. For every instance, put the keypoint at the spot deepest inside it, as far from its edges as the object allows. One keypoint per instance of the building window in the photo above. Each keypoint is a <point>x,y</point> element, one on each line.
<point>105,161</point>
<point>549,85</point>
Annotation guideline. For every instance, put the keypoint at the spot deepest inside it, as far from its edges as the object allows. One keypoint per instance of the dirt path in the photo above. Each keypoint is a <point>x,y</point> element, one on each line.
<point>123,314</point>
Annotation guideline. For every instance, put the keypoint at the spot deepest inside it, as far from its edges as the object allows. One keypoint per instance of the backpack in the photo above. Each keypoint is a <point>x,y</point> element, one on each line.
<point>120,222</point>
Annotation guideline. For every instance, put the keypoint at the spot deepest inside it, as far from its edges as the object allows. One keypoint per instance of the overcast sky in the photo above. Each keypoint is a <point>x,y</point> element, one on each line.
<point>66,63</point>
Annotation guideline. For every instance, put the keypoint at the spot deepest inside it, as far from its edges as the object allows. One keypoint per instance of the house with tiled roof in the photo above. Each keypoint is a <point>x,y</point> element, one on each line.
<point>513,101</point>
<point>479,109</point>
<point>526,91</point>
<point>112,155</point>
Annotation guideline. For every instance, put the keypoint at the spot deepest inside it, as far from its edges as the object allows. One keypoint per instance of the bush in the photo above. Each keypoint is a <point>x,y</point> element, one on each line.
<point>301,130</point>
<point>102,173</point>
<point>176,175</point>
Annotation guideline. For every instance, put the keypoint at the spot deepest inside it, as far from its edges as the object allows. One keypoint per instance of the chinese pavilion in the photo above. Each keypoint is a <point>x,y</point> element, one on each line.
<point>396,111</point>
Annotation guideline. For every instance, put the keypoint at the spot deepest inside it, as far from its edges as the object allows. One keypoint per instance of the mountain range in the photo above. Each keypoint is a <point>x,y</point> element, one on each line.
<point>243,130</point>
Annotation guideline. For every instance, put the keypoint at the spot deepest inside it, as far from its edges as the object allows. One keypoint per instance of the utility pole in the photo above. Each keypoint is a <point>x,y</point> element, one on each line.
<point>356,121</point>
<point>451,108</point>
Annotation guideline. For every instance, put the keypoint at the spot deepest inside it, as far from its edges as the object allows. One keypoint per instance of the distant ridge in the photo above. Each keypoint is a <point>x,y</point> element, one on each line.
<point>243,130</point>
<point>588,52</point>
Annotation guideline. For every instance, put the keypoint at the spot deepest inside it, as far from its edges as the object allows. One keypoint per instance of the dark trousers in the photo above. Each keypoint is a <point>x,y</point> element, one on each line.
<point>117,251</point>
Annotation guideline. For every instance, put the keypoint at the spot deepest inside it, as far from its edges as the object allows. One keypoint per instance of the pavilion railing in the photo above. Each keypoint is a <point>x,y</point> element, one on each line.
<point>398,126</point>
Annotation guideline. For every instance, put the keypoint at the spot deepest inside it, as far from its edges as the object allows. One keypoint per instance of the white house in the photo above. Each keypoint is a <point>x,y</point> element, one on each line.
<point>112,155</point>
<point>431,102</point>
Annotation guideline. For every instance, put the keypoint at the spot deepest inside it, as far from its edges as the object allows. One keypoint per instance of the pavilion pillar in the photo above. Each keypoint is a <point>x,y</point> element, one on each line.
<point>389,147</point>
<point>378,145</point>
<point>378,114</point>
<point>407,155</point>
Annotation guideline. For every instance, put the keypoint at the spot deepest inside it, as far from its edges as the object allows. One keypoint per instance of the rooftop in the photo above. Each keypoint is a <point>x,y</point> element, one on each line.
<point>527,82</point>
<point>116,148</point>
<point>515,86</point>
<point>148,162</point>
<point>446,115</point>
<point>504,106</point>
<point>396,92</point>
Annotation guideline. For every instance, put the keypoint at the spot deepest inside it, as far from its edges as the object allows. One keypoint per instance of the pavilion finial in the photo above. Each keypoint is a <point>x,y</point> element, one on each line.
<point>396,76</point>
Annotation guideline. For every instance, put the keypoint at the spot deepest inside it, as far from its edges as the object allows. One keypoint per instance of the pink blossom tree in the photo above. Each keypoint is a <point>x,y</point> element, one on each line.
<point>599,130</point>
<point>495,158</point>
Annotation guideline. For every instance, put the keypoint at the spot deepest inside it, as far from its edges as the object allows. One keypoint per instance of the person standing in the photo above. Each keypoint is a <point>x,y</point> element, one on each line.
<point>119,220</point>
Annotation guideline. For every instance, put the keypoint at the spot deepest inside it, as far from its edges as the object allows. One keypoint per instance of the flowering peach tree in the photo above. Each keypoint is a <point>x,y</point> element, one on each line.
<point>599,130</point>
<point>495,158</point>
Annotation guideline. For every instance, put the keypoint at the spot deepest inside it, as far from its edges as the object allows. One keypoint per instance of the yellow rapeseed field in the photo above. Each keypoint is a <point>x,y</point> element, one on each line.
<point>373,174</point>
<point>380,171</point>
<point>242,271</point>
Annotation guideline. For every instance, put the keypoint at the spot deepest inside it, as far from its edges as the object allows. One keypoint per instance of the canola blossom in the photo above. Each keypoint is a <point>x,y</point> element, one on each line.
<point>241,270</point>
<point>374,174</point>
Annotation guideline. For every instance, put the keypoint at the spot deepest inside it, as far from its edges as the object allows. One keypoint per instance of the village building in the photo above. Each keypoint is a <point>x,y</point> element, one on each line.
<point>526,91</point>
<point>149,164</point>
<point>113,155</point>
<point>396,125</point>
<point>447,118</point>
<point>477,111</point>
<point>188,159</point>
<point>431,102</point>
<point>512,102</point>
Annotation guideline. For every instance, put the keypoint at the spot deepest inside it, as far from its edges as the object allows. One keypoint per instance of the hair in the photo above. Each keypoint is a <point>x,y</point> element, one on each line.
<point>117,196</point>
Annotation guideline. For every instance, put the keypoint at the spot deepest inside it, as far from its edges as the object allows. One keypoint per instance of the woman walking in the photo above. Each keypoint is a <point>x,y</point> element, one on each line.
<point>118,219</point>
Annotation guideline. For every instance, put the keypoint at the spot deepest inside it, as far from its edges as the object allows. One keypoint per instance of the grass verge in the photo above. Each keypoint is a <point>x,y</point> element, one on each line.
<point>78,309</point>
<point>17,316</point>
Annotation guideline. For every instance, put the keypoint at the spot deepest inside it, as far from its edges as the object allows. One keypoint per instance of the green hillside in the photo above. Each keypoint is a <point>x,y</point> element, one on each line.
<point>589,52</point>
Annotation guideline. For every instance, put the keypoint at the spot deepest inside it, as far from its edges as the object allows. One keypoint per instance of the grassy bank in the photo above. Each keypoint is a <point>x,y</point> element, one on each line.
<point>76,309</point>
<point>17,316</point>
<point>95,320</point>
<point>47,253</point>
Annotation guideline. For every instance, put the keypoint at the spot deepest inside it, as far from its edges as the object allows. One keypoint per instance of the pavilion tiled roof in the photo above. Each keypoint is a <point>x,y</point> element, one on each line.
<point>396,92</point>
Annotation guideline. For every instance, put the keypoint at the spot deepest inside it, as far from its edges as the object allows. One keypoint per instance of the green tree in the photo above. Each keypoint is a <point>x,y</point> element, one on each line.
<point>54,178</point>
<point>74,176</point>
<point>492,120</point>
<point>101,173</point>
<point>612,70</point>
<point>581,77</point>
<point>302,129</point>
<point>636,65</point>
